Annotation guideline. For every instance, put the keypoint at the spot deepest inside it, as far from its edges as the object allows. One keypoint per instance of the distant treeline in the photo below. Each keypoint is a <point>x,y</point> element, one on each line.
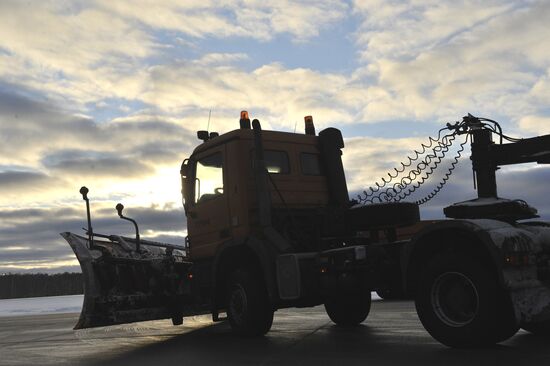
<point>40,284</point>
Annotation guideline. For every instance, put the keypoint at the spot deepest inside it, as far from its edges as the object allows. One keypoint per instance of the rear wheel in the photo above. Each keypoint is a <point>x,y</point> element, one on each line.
<point>349,309</point>
<point>460,303</point>
<point>248,308</point>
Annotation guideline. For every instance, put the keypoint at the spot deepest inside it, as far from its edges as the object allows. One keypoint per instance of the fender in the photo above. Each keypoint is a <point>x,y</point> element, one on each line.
<point>488,235</point>
<point>496,240</point>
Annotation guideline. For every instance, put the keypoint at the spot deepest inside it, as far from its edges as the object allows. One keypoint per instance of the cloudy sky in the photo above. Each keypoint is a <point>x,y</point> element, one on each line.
<point>109,94</point>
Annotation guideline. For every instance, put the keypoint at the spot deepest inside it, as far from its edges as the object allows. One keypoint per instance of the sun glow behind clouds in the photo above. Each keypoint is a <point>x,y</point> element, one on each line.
<point>162,189</point>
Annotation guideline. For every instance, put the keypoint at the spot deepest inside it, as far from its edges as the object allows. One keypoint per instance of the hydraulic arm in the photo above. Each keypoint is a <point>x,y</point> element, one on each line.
<point>488,156</point>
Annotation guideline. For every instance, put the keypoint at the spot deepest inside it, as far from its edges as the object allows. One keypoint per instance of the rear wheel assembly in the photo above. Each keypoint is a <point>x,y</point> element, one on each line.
<point>460,303</point>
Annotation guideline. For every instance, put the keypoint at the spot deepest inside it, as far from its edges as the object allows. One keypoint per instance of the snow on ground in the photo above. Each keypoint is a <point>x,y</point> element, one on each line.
<point>52,305</point>
<point>41,305</point>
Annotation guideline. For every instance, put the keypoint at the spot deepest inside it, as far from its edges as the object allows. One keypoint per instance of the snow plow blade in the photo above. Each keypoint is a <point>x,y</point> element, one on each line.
<point>125,285</point>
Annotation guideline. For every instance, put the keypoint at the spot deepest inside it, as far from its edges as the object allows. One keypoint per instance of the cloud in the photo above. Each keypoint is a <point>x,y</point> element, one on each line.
<point>280,95</point>
<point>221,58</point>
<point>428,59</point>
<point>96,164</point>
<point>30,237</point>
<point>85,52</point>
<point>422,60</point>
<point>33,214</point>
<point>254,19</point>
<point>535,124</point>
<point>46,152</point>
<point>18,187</point>
<point>22,179</point>
<point>403,29</point>
<point>110,94</point>
<point>69,49</point>
<point>27,127</point>
<point>40,131</point>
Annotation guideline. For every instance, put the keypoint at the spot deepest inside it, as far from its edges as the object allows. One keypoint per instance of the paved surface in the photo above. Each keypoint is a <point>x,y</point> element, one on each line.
<point>392,335</point>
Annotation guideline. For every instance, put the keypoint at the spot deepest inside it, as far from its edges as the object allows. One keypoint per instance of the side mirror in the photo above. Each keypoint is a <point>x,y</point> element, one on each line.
<point>184,170</point>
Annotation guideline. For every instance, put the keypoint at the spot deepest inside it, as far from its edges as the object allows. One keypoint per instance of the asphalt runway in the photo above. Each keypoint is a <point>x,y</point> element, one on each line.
<point>392,335</point>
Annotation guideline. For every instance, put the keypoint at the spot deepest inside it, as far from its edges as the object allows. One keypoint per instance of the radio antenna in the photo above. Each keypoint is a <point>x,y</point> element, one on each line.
<point>209,114</point>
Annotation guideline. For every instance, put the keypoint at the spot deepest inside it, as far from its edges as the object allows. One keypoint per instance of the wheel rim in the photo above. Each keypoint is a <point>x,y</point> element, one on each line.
<point>238,303</point>
<point>455,299</point>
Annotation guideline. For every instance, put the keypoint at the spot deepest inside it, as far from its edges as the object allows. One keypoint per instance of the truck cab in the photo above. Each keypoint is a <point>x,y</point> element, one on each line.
<point>219,188</point>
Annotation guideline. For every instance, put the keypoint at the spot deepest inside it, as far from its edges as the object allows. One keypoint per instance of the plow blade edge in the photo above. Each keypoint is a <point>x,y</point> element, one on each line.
<point>122,285</point>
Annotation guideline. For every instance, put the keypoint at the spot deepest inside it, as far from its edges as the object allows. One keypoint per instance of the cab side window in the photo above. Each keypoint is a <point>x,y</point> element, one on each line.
<point>209,178</point>
<point>311,164</point>
<point>276,162</point>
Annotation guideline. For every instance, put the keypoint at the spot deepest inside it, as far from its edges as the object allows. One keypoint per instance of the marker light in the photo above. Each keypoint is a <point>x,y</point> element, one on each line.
<point>517,259</point>
<point>245,121</point>
<point>310,128</point>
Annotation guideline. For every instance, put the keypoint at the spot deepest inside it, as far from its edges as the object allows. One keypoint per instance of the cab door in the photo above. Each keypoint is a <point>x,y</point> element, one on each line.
<point>208,214</point>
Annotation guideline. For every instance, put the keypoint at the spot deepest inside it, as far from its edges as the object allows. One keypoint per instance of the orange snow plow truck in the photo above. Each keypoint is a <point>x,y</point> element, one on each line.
<point>271,226</point>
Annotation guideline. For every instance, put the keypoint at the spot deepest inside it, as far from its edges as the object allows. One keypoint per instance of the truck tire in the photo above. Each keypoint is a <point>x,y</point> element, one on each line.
<point>248,309</point>
<point>459,302</point>
<point>538,329</point>
<point>348,310</point>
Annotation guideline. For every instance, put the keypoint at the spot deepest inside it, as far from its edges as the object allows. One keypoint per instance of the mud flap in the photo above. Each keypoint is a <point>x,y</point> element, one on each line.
<point>122,285</point>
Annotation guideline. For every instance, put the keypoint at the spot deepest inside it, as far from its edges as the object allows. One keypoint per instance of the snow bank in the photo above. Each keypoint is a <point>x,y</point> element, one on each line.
<point>41,305</point>
<point>52,305</point>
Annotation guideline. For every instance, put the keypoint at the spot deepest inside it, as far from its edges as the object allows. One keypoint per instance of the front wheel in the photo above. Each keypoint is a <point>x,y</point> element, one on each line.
<point>460,303</point>
<point>248,308</point>
<point>348,310</point>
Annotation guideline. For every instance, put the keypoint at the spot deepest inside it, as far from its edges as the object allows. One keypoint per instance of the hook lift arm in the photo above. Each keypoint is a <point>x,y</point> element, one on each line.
<point>487,156</point>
